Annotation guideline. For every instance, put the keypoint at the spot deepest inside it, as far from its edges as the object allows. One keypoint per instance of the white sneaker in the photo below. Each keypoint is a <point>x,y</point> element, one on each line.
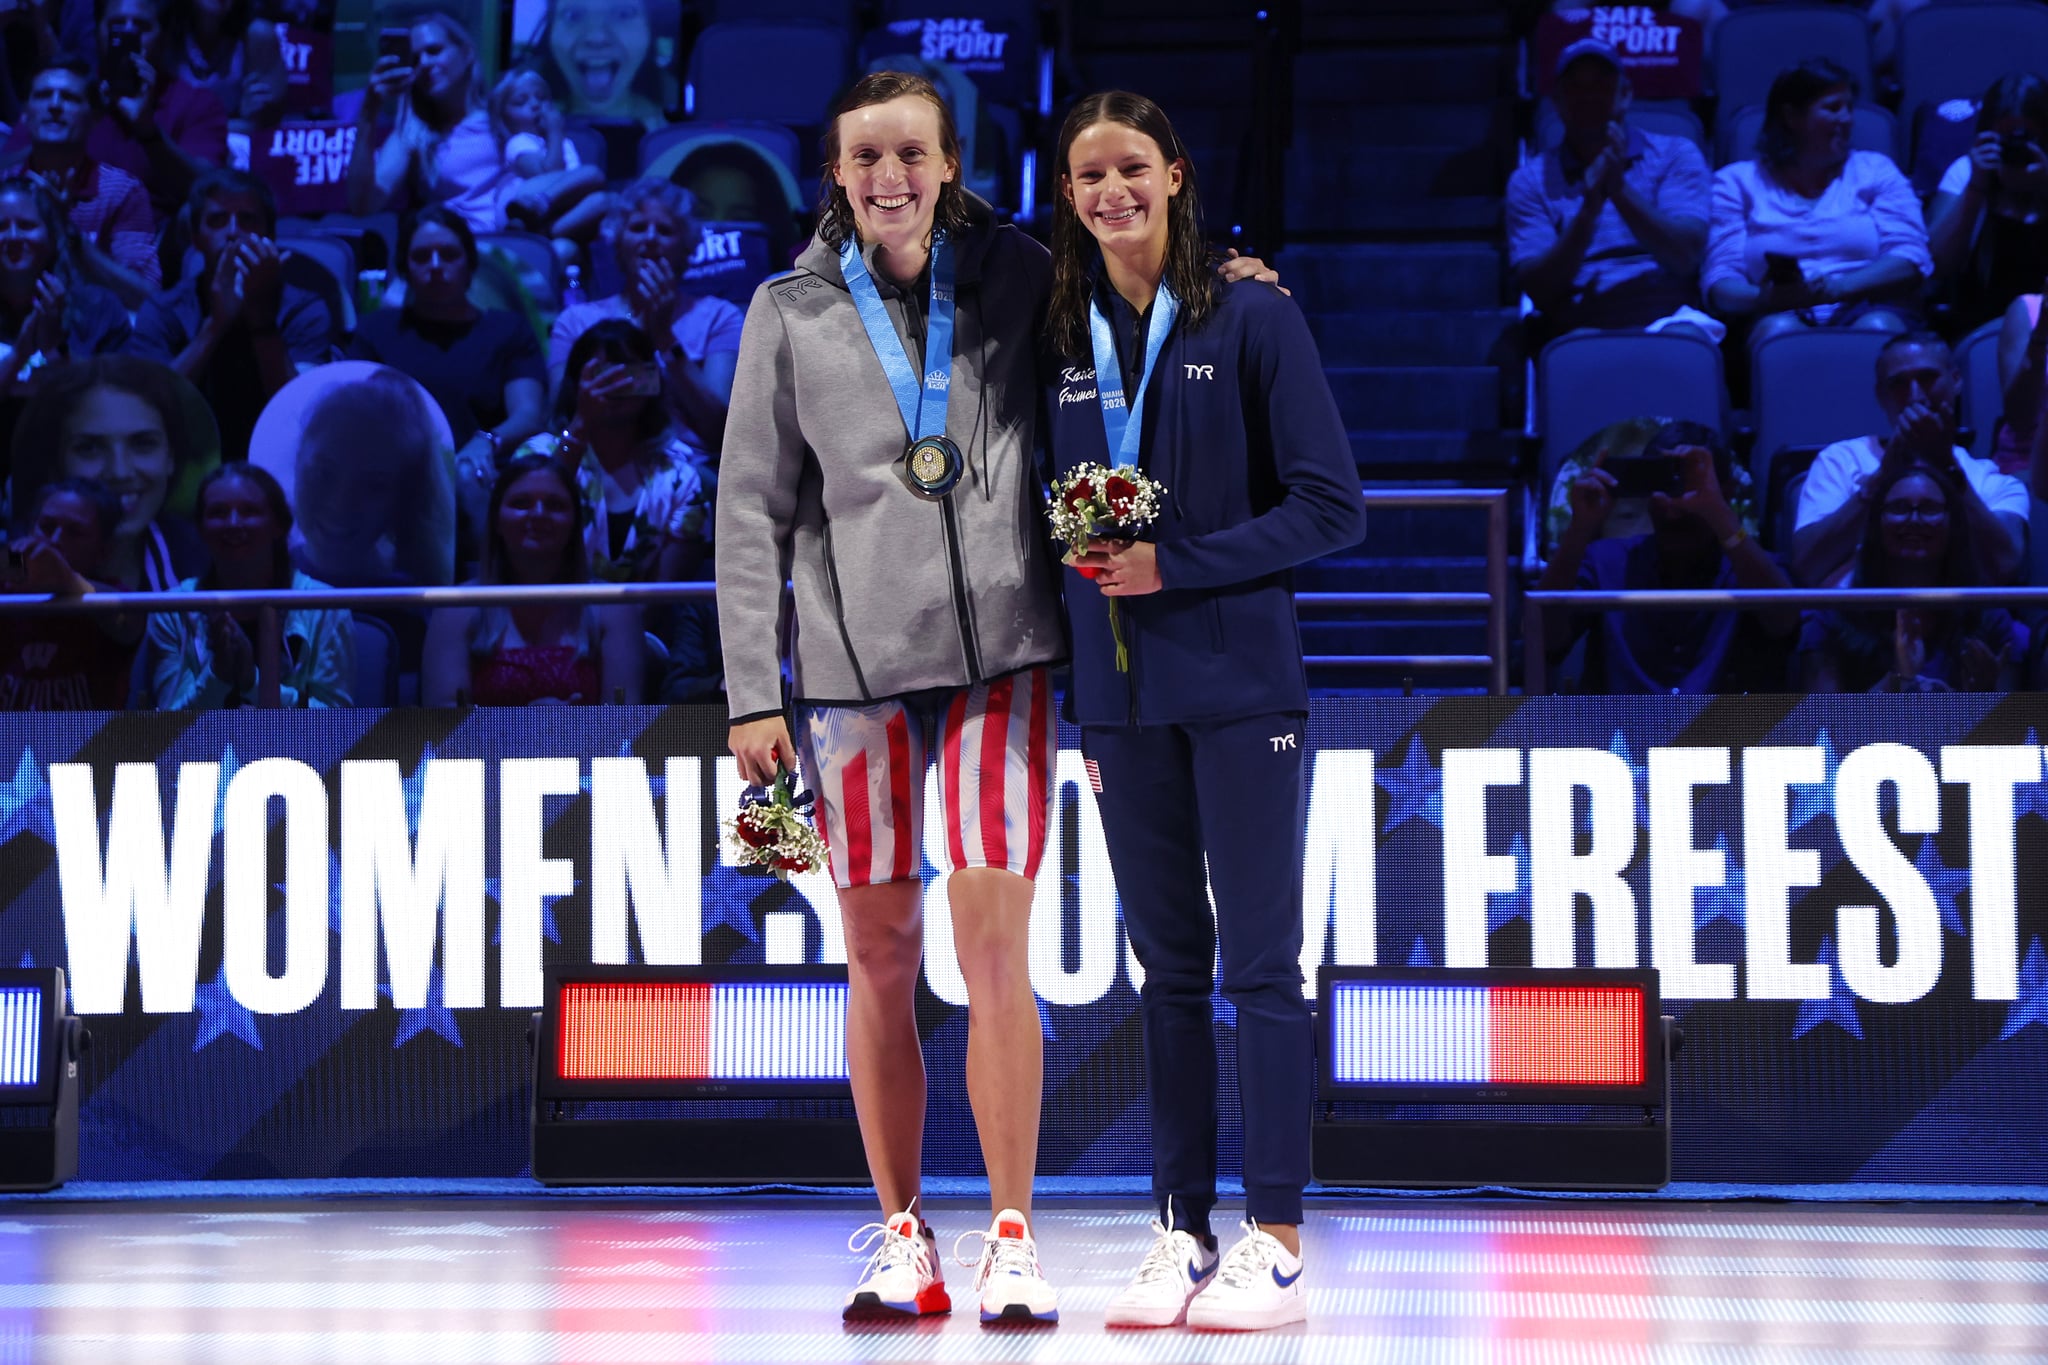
<point>1006,1277</point>
<point>1176,1269</point>
<point>903,1277</point>
<point>1257,1286</point>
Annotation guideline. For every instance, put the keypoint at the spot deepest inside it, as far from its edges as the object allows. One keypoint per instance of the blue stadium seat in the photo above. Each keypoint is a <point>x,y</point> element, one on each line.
<point>325,266</point>
<point>1814,386</point>
<point>1672,118</point>
<point>1983,395</point>
<point>1751,46</point>
<point>1735,136</point>
<point>777,73</point>
<point>663,151</point>
<point>1955,51</point>
<point>376,680</point>
<point>591,145</point>
<point>538,267</point>
<point>840,13</point>
<point>1590,379</point>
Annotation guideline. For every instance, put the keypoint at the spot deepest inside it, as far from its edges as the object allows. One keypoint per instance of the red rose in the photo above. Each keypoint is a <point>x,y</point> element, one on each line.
<point>1080,494</point>
<point>754,835</point>
<point>789,863</point>
<point>1119,489</point>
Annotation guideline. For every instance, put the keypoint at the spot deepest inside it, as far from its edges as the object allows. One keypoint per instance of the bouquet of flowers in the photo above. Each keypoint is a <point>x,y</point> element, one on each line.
<point>1098,502</point>
<point>773,832</point>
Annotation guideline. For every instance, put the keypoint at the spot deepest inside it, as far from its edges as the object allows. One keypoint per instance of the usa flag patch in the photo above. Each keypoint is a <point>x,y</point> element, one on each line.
<point>1094,775</point>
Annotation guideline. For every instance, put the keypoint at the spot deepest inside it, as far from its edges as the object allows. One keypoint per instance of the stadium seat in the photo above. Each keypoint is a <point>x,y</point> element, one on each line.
<point>777,73</point>
<point>1589,379</point>
<point>839,13</point>
<point>1751,46</point>
<point>591,145</point>
<point>1735,136</point>
<point>1673,118</point>
<point>1814,386</point>
<point>1955,51</point>
<point>376,680</point>
<point>1983,395</point>
<point>325,266</point>
<point>1789,469</point>
<point>534,257</point>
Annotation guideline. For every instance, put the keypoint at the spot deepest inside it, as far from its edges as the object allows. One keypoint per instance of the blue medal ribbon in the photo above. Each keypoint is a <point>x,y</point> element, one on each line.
<point>1125,425</point>
<point>921,419</point>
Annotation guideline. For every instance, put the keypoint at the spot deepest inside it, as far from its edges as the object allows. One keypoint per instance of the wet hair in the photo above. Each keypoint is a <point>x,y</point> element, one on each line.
<point>39,436</point>
<point>1796,88</point>
<point>219,184</point>
<point>575,565</point>
<point>1190,267</point>
<point>106,508</point>
<point>614,336</point>
<point>672,198</point>
<point>265,482</point>
<point>2017,94</point>
<point>1675,435</point>
<point>436,215</point>
<point>836,225</point>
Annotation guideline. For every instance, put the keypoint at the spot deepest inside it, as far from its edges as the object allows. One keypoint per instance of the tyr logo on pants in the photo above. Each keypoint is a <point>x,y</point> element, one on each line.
<point>1282,742</point>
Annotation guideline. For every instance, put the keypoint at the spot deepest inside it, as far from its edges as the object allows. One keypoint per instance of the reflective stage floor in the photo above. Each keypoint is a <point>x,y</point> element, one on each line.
<point>553,1279</point>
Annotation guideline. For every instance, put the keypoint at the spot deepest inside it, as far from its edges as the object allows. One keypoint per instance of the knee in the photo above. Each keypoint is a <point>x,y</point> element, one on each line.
<point>1774,325</point>
<point>1684,329</point>
<point>1880,320</point>
<point>881,949</point>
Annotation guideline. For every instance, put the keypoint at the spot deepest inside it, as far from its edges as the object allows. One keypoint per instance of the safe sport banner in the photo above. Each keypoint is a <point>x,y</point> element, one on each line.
<point>308,944</point>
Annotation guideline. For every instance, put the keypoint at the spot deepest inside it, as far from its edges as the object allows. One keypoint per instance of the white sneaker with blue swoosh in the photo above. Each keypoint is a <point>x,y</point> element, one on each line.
<point>1176,1269</point>
<point>1258,1285</point>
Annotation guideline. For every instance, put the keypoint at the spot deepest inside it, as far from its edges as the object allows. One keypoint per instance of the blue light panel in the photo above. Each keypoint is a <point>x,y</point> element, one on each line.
<point>778,1033</point>
<point>1400,1033</point>
<point>21,1035</point>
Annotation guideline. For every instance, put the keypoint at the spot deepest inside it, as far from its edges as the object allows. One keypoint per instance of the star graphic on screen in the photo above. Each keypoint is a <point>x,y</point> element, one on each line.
<point>1639,780</point>
<point>433,1016</point>
<point>24,801</point>
<point>415,786</point>
<point>220,1014</point>
<point>1414,789</point>
<point>28,959</point>
<point>2031,1006</point>
<point>1505,907</point>
<point>493,890</point>
<point>229,766</point>
<point>657,773</point>
<point>1809,801</point>
<point>1944,881</point>
<point>1838,1009</point>
<point>1418,954</point>
<point>729,897</point>
<point>2030,798</point>
<point>1710,903</point>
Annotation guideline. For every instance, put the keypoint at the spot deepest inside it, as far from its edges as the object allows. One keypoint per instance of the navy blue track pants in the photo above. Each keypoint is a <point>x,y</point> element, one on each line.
<point>1232,790</point>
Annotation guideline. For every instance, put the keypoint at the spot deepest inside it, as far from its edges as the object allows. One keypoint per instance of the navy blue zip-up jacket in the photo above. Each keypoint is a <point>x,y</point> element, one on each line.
<point>1241,428</point>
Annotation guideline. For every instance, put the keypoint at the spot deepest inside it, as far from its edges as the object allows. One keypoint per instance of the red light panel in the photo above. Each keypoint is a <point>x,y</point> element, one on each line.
<point>1566,1035</point>
<point>659,1032</point>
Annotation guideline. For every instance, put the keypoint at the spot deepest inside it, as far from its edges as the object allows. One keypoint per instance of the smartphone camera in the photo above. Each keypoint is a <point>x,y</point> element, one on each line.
<point>124,47</point>
<point>1639,478</point>
<point>395,42</point>
<point>2013,150</point>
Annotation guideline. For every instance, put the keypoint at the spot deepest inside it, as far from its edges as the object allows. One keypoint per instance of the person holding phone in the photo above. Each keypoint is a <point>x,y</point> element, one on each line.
<point>438,147</point>
<point>1696,540</point>
<point>225,47</point>
<point>155,125</point>
<point>1988,219</point>
<point>1811,233</point>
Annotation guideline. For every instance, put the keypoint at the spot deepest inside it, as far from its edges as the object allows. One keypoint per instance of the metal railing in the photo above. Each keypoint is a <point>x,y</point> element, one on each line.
<point>1535,657</point>
<point>269,602</point>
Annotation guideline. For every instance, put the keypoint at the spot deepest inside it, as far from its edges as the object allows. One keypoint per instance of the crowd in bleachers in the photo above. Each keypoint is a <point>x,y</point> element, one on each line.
<point>1811,319</point>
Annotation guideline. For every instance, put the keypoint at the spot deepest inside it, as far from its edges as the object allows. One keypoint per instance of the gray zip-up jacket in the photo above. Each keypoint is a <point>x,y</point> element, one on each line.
<point>893,594</point>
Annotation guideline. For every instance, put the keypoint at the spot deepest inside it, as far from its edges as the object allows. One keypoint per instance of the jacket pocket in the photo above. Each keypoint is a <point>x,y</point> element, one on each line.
<point>839,611</point>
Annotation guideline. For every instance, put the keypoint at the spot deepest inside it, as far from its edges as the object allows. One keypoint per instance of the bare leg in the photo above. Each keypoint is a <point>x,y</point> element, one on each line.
<point>884,951</point>
<point>1005,1051</point>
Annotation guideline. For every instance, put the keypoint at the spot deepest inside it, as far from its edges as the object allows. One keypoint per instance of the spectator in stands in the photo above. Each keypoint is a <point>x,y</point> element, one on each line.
<point>225,48</point>
<point>733,181</point>
<point>236,330</point>
<point>548,189</point>
<point>1988,222</point>
<point>108,207</point>
<point>1607,229</point>
<point>1917,386</point>
<point>158,127</point>
<point>646,492</point>
<point>608,58</point>
<point>48,313</point>
<point>1695,541</point>
<point>119,420</point>
<point>482,366</point>
<point>2023,380</point>
<point>519,656</point>
<point>696,340</point>
<point>439,149</point>
<point>1913,538</point>
<point>207,661</point>
<point>1810,233</point>
<point>376,505</point>
<point>65,663</point>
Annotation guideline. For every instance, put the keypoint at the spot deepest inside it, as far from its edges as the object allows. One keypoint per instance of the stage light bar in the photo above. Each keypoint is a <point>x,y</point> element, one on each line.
<point>22,1009</point>
<point>40,1043</point>
<point>1408,1033</point>
<point>703,1031</point>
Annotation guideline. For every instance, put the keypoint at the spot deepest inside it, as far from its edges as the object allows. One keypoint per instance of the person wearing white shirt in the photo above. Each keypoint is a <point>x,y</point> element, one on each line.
<point>1917,384</point>
<point>1987,224</point>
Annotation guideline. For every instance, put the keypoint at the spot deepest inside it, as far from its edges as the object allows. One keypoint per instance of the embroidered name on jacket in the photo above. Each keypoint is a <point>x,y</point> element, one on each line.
<point>1069,377</point>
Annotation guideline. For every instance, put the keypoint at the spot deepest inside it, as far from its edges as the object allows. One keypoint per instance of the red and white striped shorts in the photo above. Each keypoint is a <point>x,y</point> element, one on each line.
<point>994,744</point>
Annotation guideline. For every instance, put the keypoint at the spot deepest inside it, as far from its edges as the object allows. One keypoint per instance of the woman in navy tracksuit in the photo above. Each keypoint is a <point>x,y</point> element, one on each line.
<point>1199,745</point>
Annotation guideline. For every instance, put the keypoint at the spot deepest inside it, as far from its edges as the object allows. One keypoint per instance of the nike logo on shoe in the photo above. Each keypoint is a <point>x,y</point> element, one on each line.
<point>1285,1280</point>
<point>1198,1273</point>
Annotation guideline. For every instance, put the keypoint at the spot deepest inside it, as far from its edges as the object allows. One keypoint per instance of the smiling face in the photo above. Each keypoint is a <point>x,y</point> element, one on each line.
<point>118,437</point>
<point>891,164</point>
<point>650,232</point>
<point>1913,522</point>
<point>237,524</point>
<point>537,517</point>
<point>444,64</point>
<point>59,108</point>
<point>1121,186</point>
<point>600,46</point>
<point>27,247</point>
